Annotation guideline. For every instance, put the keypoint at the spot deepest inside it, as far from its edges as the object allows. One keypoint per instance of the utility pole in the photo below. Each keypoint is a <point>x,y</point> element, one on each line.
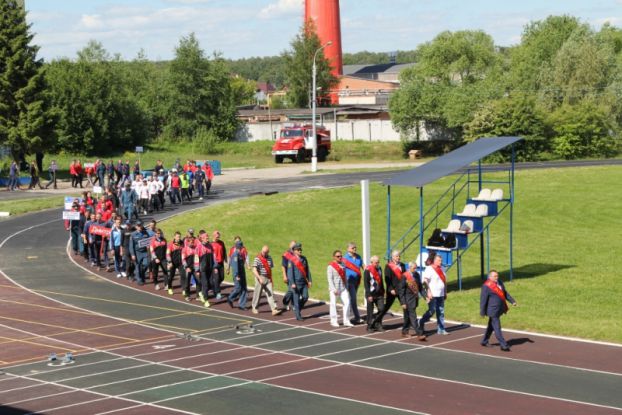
<point>313,109</point>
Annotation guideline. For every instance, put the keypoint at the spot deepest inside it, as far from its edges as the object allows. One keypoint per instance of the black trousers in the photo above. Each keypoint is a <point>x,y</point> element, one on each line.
<point>377,302</point>
<point>155,267</point>
<point>387,306</point>
<point>171,273</point>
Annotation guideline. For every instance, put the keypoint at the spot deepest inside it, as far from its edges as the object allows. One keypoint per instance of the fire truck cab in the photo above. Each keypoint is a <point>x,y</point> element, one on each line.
<point>294,142</point>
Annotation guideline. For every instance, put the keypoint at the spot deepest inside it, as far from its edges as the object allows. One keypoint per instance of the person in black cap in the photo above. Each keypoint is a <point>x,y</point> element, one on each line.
<point>139,249</point>
<point>298,279</point>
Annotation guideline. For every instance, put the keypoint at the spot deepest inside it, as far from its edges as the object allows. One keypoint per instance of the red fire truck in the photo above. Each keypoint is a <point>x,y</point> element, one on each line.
<point>294,142</point>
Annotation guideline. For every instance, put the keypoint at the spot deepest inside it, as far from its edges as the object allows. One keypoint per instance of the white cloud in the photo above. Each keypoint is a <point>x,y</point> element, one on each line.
<point>614,21</point>
<point>282,8</point>
<point>91,21</point>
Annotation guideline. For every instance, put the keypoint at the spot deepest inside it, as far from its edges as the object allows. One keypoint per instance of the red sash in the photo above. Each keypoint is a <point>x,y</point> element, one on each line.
<point>411,282</point>
<point>374,273</point>
<point>397,270</point>
<point>441,275</point>
<point>498,291</point>
<point>266,266</point>
<point>294,260</point>
<point>351,266</point>
<point>337,267</point>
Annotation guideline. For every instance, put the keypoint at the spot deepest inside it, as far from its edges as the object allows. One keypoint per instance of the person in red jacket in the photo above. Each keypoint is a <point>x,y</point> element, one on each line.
<point>209,176</point>
<point>78,172</point>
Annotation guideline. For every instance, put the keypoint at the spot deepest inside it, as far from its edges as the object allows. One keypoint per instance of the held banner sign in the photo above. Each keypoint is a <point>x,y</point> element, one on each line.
<point>71,215</point>
<point>100,231</point>
<point>144,243</point>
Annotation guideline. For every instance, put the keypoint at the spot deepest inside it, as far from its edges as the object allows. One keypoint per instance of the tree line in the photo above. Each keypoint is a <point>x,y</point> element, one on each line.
<point>560,88</point>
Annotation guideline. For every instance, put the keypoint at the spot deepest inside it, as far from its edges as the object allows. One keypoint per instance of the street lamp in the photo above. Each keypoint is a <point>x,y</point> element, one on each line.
<point>313,108</point>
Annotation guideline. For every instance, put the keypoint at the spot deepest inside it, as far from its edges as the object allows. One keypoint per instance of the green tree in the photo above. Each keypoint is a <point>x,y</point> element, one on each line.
<point>299,64</point>
<point>455,74</point>
<point>540,42</point>
<point>584,130</point>
<point>200,94</point>
<point>243,90</point>
<point>26,120</point>
<point>512,116</point>
<point>581,70</point>
<point>98,113</point>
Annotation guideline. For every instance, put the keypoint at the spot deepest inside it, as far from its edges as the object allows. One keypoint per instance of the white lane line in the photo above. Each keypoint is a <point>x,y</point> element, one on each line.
<point>221,311</point>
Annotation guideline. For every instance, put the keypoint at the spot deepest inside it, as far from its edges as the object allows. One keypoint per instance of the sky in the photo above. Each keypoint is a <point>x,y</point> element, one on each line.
<point>246,28</point>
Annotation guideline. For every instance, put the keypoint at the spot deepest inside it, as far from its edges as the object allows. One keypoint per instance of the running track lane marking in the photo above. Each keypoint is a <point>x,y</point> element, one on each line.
<point>1,244</point>
<point>244,381</point>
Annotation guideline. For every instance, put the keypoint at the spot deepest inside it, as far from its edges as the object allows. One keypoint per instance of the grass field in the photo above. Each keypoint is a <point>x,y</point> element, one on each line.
<point>21,206</point>
<point>254,154</point>
<point>566,248</point>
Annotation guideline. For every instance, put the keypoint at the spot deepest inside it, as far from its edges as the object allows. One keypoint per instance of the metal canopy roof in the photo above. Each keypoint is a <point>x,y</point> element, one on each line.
<point>451,162</point>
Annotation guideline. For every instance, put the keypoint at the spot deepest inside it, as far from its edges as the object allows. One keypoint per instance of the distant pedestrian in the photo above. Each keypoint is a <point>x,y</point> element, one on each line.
<point>34,176</point>
<point>52,175</point>
<point>493,303</point>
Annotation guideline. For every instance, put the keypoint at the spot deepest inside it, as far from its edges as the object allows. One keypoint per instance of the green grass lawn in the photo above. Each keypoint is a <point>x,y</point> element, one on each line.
<point>21,206</point>
<point>231,155</point>
<point>566,248</point>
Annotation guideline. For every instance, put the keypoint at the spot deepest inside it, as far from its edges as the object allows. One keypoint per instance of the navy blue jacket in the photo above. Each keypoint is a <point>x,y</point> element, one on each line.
<point>490,304</point>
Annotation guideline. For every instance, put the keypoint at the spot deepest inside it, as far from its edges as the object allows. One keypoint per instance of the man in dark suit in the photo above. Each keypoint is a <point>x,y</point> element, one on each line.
<point>493,303</point>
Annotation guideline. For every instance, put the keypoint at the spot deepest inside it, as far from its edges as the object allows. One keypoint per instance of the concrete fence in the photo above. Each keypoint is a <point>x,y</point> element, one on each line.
<point>368,130</point>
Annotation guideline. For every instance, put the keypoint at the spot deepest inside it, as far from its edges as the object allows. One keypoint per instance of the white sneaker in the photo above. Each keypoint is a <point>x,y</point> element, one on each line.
<point>124,275</point>
<point>334,323</point>
<point>118,275</point>
<point>348,324</point>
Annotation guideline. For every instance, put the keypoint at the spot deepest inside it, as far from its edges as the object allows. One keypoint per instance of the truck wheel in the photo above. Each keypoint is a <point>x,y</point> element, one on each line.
<point>278,159</point>
<point>300,156</point>
<point>322,153</point>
